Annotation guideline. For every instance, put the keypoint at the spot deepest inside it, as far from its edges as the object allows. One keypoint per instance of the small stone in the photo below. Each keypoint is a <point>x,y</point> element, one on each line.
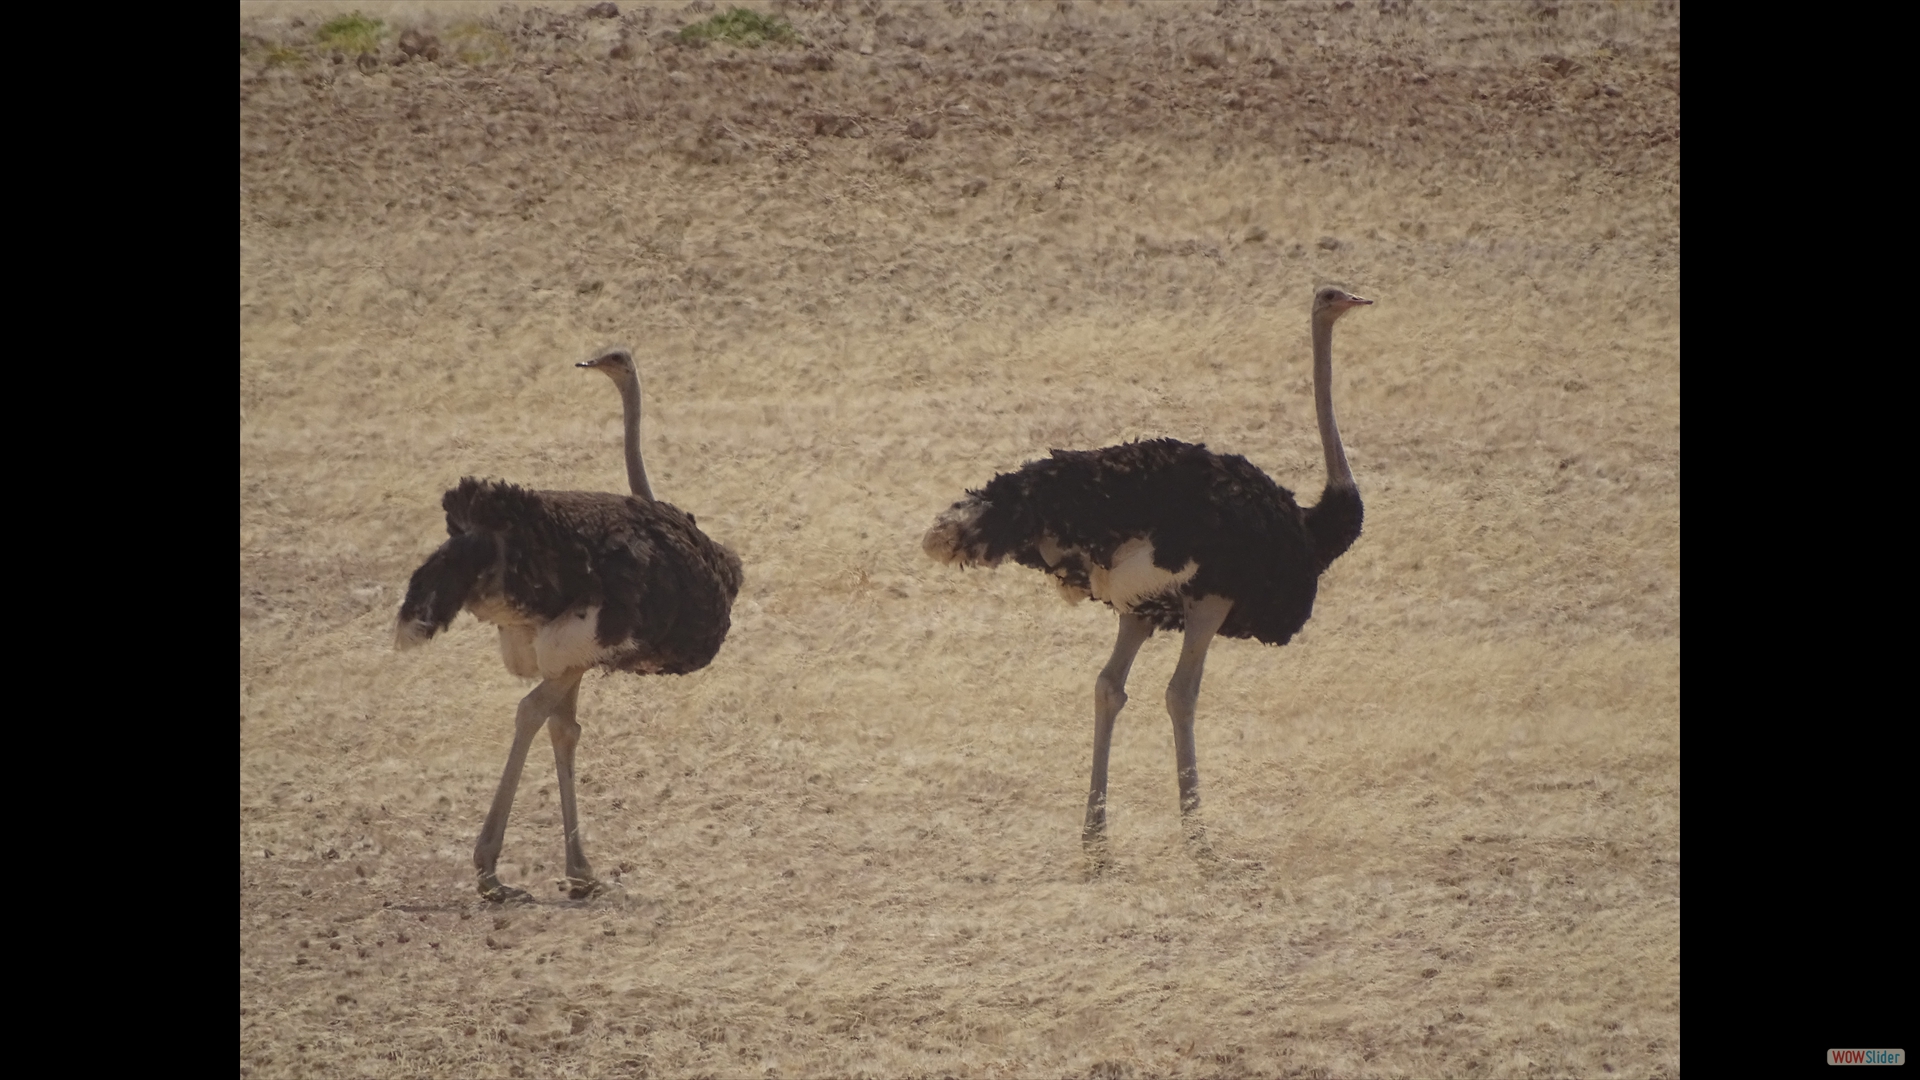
<point>415,43</point>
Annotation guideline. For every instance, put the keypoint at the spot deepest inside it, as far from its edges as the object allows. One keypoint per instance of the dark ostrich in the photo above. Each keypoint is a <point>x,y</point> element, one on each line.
<point>1171,536</point>
<point>574,580</point>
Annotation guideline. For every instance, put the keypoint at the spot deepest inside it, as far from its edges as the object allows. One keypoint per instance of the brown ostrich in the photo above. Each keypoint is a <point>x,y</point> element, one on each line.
<point>575,580</point>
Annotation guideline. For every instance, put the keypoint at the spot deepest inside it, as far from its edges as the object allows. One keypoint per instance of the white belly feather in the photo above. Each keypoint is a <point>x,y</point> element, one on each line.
<point>1133,577</point>
<point>567,643</point>
<point>546,650</point>
<point>1130,579</point>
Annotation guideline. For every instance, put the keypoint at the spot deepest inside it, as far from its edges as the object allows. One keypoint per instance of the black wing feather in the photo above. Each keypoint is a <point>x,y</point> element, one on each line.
<point>1253,543</point>
<point>664,589</point>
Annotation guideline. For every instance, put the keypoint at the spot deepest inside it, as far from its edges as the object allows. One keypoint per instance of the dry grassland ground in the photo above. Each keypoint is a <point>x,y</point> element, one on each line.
<point>862,273</point>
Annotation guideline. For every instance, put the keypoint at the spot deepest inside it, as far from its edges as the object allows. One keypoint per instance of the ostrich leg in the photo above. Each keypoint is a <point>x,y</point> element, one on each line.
<point>534,709</point>
<point>565,732</point>
<point>1204,617</point>
<point>1109,695</point>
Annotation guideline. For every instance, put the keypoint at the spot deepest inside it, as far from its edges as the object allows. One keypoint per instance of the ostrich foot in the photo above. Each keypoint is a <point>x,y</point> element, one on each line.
<point>1215,864</point>
<point>582,888</point>
<point>493,892</point>
<point>1198,845</point>
<point>1099,859</point>
<point>1229,866</point>
<point>1202,851</point>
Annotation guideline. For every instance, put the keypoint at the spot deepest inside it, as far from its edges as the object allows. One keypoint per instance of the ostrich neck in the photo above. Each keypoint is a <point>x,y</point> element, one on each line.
<point>1338,475</point>
<point>630,405</point>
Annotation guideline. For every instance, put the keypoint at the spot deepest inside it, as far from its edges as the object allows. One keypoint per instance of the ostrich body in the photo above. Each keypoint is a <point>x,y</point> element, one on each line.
<point>1175,537</point>
<point>574,580</point>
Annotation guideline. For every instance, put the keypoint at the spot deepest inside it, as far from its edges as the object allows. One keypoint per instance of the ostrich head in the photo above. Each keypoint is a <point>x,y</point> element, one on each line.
<point>1330,303</point>
<point>615,364</point>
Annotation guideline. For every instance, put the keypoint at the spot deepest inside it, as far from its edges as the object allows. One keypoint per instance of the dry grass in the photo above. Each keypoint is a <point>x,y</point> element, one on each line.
<point>863,273</point>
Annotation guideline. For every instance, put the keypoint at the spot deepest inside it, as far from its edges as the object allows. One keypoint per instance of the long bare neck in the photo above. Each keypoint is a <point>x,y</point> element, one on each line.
<point>630,405</point>
<point>1338,475</point>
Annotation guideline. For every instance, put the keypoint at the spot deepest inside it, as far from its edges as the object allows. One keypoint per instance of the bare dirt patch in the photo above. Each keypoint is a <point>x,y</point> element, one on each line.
<point>863,270</point>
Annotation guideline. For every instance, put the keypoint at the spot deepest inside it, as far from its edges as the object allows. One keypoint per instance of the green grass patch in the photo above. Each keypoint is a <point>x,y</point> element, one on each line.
<point>476,43</point>
<point>353,33</point>
<point>739,27</point>
<point>274,52</point>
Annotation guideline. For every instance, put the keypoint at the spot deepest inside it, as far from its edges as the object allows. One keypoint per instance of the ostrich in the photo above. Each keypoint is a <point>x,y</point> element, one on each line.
<point>1173,536</point>
<point>574,580</point>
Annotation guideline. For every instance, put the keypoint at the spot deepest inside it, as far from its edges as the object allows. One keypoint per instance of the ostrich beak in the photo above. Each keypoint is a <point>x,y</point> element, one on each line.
<point>1352,301</point>
<point>603,358</point>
